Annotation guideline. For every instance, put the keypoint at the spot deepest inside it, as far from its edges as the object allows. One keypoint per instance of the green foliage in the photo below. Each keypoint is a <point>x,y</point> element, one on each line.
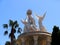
<point>14,25</point>
<point>19,30</point>
<point>55,36</point>
<point>10,23</point>
<point>7,43</point>
<point>14,30</point>
<point>5,25</point>
<point>10,35</point>
<point>6,32</point>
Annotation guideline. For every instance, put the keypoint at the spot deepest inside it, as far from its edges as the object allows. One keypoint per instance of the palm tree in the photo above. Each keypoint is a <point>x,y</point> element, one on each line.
<point>14,26</point>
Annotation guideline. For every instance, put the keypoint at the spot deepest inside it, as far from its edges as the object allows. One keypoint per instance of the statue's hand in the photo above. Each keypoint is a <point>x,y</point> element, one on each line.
<point>23,21</point>
<point>36,15</point>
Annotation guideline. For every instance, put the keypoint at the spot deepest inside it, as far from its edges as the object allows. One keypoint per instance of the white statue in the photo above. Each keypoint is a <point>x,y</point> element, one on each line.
<point>26,29</point>
<point>29,22</point>
<point>40,19</point>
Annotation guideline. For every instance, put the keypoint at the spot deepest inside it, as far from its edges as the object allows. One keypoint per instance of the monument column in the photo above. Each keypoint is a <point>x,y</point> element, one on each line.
<point>48,41</point>
<point>23,41</point>
<point>35,40</point>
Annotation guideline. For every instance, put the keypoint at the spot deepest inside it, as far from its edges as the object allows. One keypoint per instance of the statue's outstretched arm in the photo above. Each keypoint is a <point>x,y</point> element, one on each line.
<point>24,21</point>
<point>36,16</point>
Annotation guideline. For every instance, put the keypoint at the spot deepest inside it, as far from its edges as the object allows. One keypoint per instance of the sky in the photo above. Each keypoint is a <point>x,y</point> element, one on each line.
<point>16,10</point>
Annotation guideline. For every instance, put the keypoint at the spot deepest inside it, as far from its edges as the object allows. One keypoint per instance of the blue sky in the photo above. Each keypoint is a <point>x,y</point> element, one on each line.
<point>16,10</point>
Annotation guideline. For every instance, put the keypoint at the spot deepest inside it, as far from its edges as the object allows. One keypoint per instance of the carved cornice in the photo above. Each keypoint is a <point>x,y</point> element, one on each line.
<point>34,33</point>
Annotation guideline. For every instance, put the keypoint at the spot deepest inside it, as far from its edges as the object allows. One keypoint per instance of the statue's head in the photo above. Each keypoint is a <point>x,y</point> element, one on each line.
<point>29,12</point>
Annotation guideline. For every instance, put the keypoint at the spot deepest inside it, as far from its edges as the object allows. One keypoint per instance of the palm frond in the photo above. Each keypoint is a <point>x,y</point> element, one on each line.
<point>16,25</point>
<point>19,30</point>
<point>10,35</point>
<point>14,30</point>
<point>6,32</point>
<point>11,23</point>
<point>5,25</point>
<point>15,22</point>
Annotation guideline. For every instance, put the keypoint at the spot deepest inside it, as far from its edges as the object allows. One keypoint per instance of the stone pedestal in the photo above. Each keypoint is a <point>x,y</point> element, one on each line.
<point>35,40</point>
<point>48,41</point>
<point>23,41</point>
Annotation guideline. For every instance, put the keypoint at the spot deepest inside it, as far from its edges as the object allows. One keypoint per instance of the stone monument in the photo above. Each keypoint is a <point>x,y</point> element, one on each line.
<point>40,19</point>
<point>29,22</point>
<point>32,35</point>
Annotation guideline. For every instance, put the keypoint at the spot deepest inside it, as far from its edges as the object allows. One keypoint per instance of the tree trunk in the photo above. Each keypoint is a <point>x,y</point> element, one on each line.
<point>12,36</point>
